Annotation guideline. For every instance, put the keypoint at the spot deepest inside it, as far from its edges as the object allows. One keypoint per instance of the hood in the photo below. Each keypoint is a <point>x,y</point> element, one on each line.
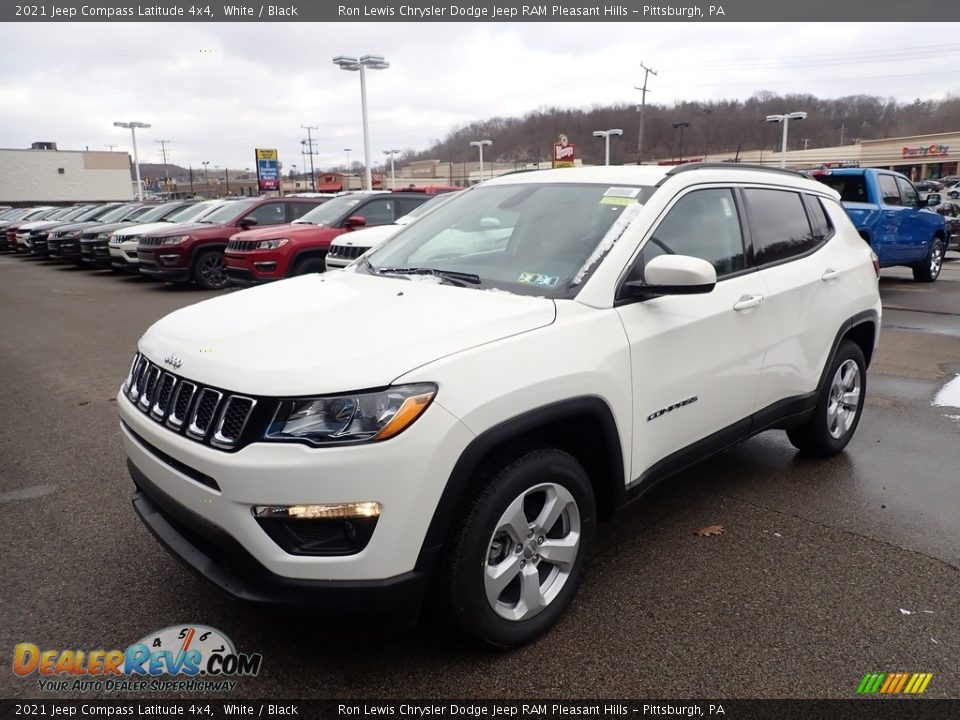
<point>368,237</point>
<point>198,229</point>
<point>147,228</point>
<point>338,332</point>
<point>75,226</point>
<point>105,227</point>
<point>271,232</point>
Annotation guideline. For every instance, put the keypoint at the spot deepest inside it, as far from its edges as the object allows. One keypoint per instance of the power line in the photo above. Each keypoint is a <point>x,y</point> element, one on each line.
<point>313,178</point>
<point>166,174</point>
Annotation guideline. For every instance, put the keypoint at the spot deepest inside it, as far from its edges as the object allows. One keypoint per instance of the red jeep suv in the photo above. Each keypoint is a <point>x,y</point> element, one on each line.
<point>195,252</point>
<point>273,253</point>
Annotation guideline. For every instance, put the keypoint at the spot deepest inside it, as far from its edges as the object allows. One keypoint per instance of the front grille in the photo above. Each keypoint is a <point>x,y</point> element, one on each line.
<point>201,413</point>
<point>348,252</point>
<point>242,245</point>
<point>146,240</point>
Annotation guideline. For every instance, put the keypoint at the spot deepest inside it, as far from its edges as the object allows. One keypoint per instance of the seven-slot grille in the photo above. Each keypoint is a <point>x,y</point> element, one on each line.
<point>350,252</point>
<point>201,413</point>
<point>147,240</point>
<point>243,245</point>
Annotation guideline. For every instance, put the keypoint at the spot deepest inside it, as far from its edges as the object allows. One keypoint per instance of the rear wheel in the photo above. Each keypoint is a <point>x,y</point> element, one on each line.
<point>310,265</point>
<point>839,405</point>
<point>929,269</point>
<point>210,270</point>
<point>521,548</point>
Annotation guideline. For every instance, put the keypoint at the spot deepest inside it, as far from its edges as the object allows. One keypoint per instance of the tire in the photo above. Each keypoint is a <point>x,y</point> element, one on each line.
<point>310,265</point>
<point>210,270</point>
<point>929,269</point>
<point>837,414</point>
<point>520,487</point>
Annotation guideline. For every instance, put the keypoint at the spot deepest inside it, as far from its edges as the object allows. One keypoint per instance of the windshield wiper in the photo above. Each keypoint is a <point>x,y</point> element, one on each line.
<point>453,277</point>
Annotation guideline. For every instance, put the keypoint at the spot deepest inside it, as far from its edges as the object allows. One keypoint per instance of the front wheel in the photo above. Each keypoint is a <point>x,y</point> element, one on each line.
<point>210,270</point>
<point>839,405</point>
<point>310,265</point>
<point>520,551</point>
<point>929,269</point>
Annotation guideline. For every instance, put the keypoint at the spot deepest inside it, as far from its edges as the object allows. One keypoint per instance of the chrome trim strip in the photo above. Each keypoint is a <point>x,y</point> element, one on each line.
<point>172,420</point>
<point>195,430</point>
<point>219,439</point>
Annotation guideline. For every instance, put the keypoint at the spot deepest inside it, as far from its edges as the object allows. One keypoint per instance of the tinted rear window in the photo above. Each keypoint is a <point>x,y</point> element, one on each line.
<point>852,188</point>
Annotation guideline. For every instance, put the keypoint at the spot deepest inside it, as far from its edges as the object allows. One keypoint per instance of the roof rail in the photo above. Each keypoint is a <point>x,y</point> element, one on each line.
<point>729,166</point>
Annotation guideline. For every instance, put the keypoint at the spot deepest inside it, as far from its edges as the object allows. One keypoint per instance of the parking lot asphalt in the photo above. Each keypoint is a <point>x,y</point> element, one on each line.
<point>826,570</point>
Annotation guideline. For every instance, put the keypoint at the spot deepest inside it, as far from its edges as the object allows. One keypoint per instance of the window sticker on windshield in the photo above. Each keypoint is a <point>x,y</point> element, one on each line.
<point>538,279</point>
<point>624,192</point>
<point>727,209</point>
<point>613,200</point>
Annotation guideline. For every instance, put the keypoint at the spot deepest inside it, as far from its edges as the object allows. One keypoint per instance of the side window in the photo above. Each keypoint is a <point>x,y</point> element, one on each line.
<point>405,205</point>
<point>297,210</point>
<point>703,224</point>
<point>889,193</point>
<point>908,193</point>
<point>377,212</point>
<point>778,225</point>
<point>819,222</point>
<point>268,214</point>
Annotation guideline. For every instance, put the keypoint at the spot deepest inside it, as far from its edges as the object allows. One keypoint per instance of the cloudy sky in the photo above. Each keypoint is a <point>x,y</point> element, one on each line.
<point>217,91</point>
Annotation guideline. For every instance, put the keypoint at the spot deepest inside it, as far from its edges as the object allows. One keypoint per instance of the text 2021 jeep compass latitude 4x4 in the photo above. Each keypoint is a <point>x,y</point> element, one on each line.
<point>460,420</point>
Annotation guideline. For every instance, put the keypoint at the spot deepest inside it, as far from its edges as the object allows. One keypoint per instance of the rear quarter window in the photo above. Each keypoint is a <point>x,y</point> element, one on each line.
<point>779,226</point>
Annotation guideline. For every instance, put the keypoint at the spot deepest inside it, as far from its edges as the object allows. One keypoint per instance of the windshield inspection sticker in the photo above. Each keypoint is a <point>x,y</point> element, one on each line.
<point>537,279</point>
<point>620,196</point>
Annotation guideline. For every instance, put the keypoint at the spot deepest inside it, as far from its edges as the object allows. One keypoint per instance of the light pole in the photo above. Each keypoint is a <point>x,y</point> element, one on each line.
<point>785,119</point>
<point>348,151</point>
<point>206,178</point>
<point>707,112</point>
<point>374,62</point>
<point>479,144</point>
<point>133,125</point>
<point>605,134</point>
<point>681,125</point>
<point>391,153</point>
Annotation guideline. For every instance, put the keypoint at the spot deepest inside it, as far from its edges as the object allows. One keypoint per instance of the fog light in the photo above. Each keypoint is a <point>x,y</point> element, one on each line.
<point>266,266</point>
<point>343,529</point>
<point>169,259</point>
<point>318,512</point>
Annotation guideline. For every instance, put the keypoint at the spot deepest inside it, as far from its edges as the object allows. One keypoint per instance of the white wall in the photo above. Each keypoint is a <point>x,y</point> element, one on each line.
<point>33,175</point>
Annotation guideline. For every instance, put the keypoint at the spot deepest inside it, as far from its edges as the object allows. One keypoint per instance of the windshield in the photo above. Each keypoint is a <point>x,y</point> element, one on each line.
<point>62,213</point>
<point>116,214</point>
<point>95,213</point>
<point>529,239</point>
<point>76,213</point>
<point>138,212</point>
<point>330,211</point>
<point>190,213</point>
<point>158,213</point>
<point>229,212</point>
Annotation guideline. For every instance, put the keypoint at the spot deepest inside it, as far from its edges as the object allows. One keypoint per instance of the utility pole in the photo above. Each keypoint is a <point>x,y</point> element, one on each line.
<point>166,174</point>
<point>643,103</point>
<point>313,179</point>
<point>110,146</point>
<point>842,130</point>
<point>806,143</point>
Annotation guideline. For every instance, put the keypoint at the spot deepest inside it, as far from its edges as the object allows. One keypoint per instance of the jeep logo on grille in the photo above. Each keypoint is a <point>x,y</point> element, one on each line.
<point>173,361</point>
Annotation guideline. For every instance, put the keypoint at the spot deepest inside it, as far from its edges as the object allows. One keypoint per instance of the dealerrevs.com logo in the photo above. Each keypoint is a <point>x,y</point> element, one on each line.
<point>186,658</point>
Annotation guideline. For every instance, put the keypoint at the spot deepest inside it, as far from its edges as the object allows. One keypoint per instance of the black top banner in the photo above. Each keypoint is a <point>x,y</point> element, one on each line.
<point>936,11</point>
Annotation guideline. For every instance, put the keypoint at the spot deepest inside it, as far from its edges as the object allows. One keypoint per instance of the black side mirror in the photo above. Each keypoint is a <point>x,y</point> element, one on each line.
<point>247,222</point>
<point>933,199</point>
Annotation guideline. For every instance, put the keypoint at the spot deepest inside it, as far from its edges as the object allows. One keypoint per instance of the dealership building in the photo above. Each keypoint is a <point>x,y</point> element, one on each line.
<point>919,157</point>
<point>43,174</point>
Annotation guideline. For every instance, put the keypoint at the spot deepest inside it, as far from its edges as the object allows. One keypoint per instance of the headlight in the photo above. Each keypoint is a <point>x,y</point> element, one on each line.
<point>103,236</point>
<point>175,240</point>
<point>72,234</point>
<point>351,418</point>
<point>272,244</point>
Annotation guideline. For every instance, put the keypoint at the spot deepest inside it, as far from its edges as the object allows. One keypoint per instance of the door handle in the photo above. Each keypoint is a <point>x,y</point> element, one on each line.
<point>748,302</point>
<point>830,274</point>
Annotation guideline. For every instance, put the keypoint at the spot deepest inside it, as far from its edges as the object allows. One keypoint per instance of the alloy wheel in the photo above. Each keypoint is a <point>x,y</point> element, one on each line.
<point>532,551</point>
<point>844,402</point>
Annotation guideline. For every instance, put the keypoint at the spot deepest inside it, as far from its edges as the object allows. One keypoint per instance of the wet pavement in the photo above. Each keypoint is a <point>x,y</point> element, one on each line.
<point>826,570</point>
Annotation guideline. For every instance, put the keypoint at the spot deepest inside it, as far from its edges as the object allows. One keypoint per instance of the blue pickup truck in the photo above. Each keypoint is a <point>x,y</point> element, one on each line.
<point>889,214</point>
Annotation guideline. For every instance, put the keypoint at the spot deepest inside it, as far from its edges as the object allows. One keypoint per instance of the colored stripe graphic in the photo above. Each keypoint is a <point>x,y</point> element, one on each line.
<point>894,683</point>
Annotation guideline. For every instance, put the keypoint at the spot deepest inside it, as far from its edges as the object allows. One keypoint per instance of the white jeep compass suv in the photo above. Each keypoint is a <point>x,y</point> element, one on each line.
<point>457,421</point>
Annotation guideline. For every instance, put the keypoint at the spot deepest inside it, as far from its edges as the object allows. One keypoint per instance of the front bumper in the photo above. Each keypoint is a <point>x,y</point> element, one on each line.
<point>211,553</point>
<point>151,263</point>
<point>406,475</point>
<point>66,250</point>
<point>96,253</point>
<point>251,267</point>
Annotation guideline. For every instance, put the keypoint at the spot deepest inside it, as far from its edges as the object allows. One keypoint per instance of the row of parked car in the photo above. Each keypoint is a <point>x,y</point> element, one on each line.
<point>214,243</point>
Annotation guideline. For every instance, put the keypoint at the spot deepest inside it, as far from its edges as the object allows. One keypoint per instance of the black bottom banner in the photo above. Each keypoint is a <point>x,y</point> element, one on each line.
<point>859,709</point>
